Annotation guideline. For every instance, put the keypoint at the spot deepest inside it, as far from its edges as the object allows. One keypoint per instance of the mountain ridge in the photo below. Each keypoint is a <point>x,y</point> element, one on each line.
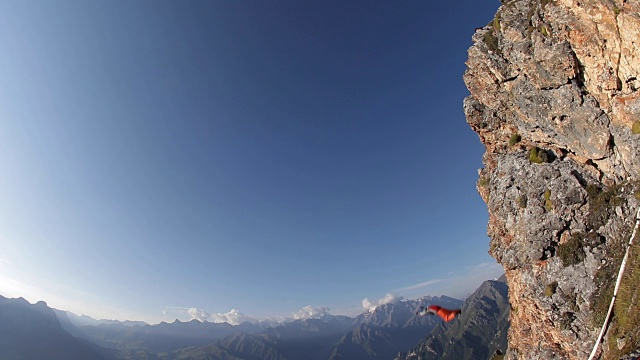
<point>378,333</point>
<point>477,333</point>
<point>33,331</point>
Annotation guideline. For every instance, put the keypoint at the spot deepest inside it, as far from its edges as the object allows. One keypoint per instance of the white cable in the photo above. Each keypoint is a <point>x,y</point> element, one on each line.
<point>615,290</point>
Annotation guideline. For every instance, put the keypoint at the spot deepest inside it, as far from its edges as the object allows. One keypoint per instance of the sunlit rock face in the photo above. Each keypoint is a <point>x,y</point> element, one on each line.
<point>555,99</point>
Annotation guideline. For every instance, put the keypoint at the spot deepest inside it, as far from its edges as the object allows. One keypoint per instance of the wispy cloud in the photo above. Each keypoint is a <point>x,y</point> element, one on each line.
<point>369,305</point>
<point>457,286</point>
<point>421,285</point>
<point>6,261</point>
<point>311,312</point>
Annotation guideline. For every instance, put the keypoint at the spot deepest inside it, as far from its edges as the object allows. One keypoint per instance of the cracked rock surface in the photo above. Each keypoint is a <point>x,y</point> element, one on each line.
<point>555,96</point>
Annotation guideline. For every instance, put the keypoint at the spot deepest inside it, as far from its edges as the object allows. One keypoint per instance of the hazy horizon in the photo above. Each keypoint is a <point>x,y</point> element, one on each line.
<point>458,287</point>
<point>235,317</point>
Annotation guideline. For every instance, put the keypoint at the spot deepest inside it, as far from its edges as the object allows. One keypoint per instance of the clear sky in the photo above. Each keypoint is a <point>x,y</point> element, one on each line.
<point>168,159</point>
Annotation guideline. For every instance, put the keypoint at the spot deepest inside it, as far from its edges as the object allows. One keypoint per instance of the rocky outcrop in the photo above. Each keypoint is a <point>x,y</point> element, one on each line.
<point>555,99</point>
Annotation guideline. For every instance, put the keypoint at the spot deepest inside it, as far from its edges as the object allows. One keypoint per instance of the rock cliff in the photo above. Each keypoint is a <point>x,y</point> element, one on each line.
<point>555,98</point>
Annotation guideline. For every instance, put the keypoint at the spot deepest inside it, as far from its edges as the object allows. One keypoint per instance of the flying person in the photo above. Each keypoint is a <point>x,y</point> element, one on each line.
<point>446,314</point>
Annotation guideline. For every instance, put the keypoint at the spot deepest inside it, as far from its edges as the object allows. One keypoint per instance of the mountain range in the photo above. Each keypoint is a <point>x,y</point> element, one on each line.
<point>37,331</point>
<point>381,333</point>
<point>33,331</point>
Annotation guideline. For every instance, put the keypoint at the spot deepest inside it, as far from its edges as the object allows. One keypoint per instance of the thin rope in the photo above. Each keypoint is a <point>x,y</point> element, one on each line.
<point>615,290</point>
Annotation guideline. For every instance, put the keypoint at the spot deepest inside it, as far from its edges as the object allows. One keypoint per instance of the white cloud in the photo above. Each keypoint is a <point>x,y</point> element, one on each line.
<point>5,261</point>
<point>198,314</point>
<point>369,305</point>
<point>311,312</point>
<point>458,285</point>
<point>233,317</point>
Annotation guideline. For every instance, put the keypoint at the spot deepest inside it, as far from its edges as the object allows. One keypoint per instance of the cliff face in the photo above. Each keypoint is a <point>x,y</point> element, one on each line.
<point>555,98</point>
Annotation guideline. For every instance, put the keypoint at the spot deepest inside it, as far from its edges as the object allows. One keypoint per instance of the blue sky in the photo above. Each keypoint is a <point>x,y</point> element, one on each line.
<point>264,156</point>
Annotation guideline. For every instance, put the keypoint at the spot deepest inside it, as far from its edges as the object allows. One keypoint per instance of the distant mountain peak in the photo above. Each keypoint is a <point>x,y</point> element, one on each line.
<point>477,333</point>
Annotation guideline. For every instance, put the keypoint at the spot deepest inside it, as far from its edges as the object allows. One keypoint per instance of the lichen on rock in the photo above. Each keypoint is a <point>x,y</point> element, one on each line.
<point>564,75</point>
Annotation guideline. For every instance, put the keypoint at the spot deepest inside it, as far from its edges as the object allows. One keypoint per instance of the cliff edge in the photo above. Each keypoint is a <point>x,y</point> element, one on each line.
<point>555,98</point>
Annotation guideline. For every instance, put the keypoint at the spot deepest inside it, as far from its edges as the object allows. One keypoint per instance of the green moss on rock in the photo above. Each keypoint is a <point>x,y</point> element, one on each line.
<point>544,30</point>
<point>572,251</point>
<point>606,277</point>
<point>626,322</point>
<point>522,201</point>
<point>602,204</point>
<point>548,205</point>
<point>492,41</point>
<point>550,289</point>
<point>538,156</point>
<point>514,139</point>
